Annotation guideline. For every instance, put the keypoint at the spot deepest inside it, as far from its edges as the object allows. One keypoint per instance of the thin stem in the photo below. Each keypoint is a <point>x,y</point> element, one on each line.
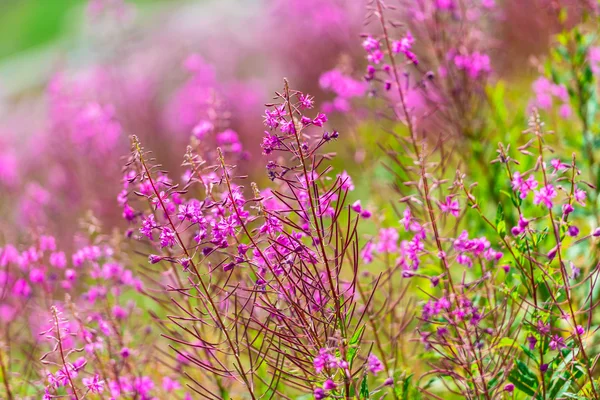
<point>538,134</point>
<point>196,272</point>
<point>62,353</point>
<point>5,377</point>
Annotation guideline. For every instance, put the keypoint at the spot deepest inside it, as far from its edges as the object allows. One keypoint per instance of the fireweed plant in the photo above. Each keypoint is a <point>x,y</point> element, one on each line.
<point>472,323</point>
<point>265,284</point>
<point>475,276</point>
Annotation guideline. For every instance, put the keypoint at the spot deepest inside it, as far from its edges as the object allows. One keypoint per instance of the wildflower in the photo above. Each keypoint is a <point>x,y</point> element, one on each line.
<point>567,209</point>
<point>153,258</point>
<point>367,253</point>
<point>575,272</point>
<point>346,181</point>
<point>450,206</point>
<point>543,328</point>
<point>329,385</point>
<point>531,340</point>
<point>388,240</point>
<point>202,129</point>
<point>94,385</point>
<point>445,4</point>
<point>270,142</point>
<point>320,119</point>
<point>509,388</point>
<point>573,231</point>
<point>167,237</point>
<point>524,186</point>
<point>370,44</point>
<point>21,288</point>
<point>475,64</point>
<point>558,165</point>
<point>148,224</point>
<point>319,394</point>
<point>306,101</point>
<point>579,330</point>
<point>403,46</point>
<point>374,365</point>
<point>580,196</point>
<point>557,342</point>
<point>322,360</point>
<point>545,196</point>
<point>552,253</point>
<point>170,385</point>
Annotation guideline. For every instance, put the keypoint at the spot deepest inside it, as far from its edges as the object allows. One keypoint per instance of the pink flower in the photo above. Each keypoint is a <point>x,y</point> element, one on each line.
<point>558,165</point>
<point>202,129</point>
<point>167,238</point>
<point>476,64</point>
<point>374,365</point>
<point>450,206</point>
<point>565,111</point>
<point>346,181</point>
<point>306,101</point>
<point>367,253</point>
<point>21,288</point>
<point>94,385</point>
<point>388,240</point>
<point>170,385</point>
<point>580,196</point>
<point>404,45</point>
<point>544,195</point>
<point>557,342</point>
<point>523,186</point>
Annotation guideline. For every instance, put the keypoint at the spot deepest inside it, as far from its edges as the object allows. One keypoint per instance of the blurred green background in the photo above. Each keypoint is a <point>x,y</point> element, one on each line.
<point>27,24</point>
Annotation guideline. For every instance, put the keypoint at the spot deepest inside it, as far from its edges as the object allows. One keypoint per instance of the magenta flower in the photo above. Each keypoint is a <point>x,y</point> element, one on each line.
<point>544,195</point>
<point>388,240</point>
<point>306,101</point>
<point>450,206</point>
<point>531,340</point>
<point>167,237</point>
<point>522,185</point>
<point>94,385</point>
<point>406,218</point>
<point>148,224</point>
<point>404,46</point>
<point>374,365</point>
<point>270,142</point>
<point>367,253</point>
<point>557,343</point>
<point>580,196</point>
<point>573,231</point>
<point>170,385</point>
<point>202,129</point>
<point>329,385</point>
<point>558,165</point>
<point>324,360</point>
<point>346,181</point>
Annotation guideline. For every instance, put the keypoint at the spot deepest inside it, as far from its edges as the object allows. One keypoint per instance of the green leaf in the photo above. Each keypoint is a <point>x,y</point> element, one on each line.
<point>500,224</point>
<point>562,383</point>
<point>523,378</point>
<point>364,389</point>
<point>499,214</point>
<point>357,335</point>
<point>405,386</point>
<point>354,340</point>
